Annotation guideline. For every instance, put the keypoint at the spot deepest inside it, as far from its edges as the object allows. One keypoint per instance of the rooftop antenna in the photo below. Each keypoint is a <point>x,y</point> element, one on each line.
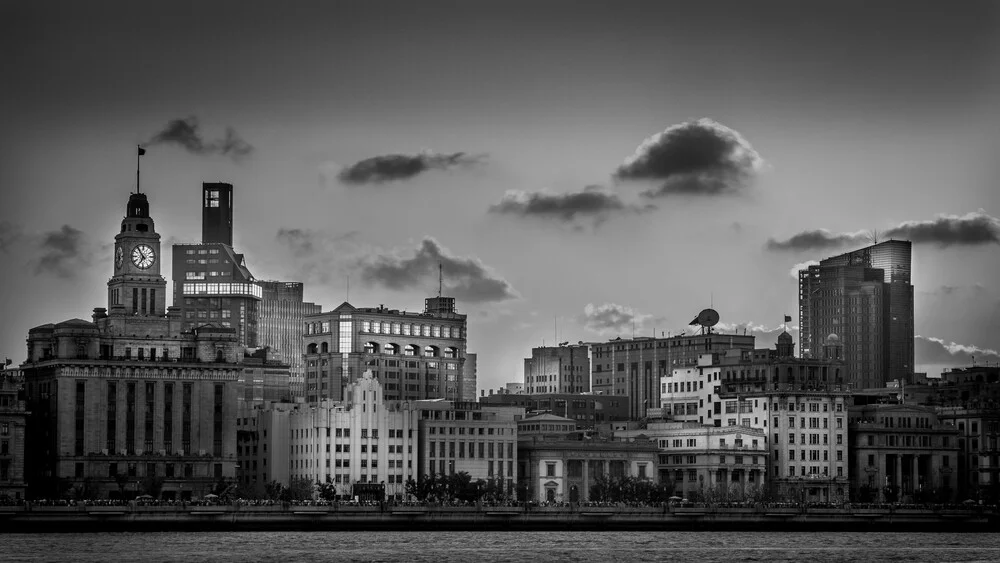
<point>440,279</point>
<point>347,298</point>
<point>873,236</point>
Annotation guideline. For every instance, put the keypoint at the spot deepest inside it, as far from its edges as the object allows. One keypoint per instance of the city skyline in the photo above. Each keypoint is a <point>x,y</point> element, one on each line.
<point>564,179</point>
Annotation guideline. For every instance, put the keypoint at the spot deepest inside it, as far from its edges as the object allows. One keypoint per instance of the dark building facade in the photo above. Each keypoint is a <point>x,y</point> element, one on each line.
<point>217,213</point>
<point>633,368</point>
<point>866,298</point>
<point>902,453</point>
<point>13,419</point>
<point>129,401</point>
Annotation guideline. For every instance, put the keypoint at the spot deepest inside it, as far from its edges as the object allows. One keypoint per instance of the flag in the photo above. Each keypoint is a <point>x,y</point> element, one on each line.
<point>142,151</point>
<point>788,318</point>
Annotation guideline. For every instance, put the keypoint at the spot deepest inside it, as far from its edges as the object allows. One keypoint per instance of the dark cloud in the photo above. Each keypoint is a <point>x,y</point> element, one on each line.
<point>936,351</point>
<point>944,230</point>
<point>819,239</point>
<point>62,253</point>
<point>593,202</point>
<point>301,242</point>
<point>9,234</point>
<point>612,318</point>
<point>391,167</point>
<point>466,279</point>
<point>185,132</point>
<point>701,157</point>
<point>318,256</point>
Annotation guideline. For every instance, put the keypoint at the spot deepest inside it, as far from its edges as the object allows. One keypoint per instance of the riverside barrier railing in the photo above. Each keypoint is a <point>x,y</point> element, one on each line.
<point>526,516</point>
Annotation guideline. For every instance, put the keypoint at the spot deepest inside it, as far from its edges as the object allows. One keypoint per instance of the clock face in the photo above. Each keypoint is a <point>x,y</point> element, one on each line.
<point>119,257</point>
<point>143,256</point>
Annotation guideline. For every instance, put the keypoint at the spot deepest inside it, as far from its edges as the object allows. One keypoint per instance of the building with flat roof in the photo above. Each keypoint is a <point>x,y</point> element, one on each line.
<point>633,368</point>
<point>864,296</point>
<point>708,462</point>
<point>414,355</point>
<point>564,467</point>
<point>558,369</point>
<point>213,286</point>
<point>902,453</point>
<point>586,409</point>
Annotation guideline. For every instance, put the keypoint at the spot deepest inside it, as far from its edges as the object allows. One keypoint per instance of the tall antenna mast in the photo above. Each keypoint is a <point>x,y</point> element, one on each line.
<point>347,298</point>
<point>440,279</point>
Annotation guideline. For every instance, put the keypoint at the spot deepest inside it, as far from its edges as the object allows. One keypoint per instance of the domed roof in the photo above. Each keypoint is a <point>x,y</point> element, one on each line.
<point>785,337</point>
<point>832,339</point>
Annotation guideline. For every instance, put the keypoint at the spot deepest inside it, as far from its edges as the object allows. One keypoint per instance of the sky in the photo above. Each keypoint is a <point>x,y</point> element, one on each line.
<point>581,170</point>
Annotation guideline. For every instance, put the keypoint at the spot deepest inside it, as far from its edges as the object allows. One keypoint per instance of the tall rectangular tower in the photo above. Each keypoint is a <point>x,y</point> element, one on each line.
<point>217,213</point>
<point>864,297</point>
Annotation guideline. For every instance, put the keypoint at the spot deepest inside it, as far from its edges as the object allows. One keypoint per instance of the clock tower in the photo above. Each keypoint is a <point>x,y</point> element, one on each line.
<point>137,288</point>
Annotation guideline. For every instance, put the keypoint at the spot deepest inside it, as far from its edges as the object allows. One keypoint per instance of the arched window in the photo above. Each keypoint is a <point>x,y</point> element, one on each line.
<point>311,349</point>
<point>324,348</point>
<point>451,352</point>
<point>391,349</point>
<point>411,350</point>
<point>430,351</point>
<point>371,348</point>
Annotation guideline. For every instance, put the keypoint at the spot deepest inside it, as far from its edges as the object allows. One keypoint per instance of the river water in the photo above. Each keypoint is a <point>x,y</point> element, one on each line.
<point>439,547</point>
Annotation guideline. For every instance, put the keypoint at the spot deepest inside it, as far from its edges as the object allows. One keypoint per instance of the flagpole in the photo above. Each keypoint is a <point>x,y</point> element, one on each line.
<point>137,149</point>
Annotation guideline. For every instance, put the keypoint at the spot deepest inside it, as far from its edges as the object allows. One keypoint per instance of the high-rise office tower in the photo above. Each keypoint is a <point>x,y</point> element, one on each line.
<point>214,287</point>
<point>279,327</point>
<point>864,297</point>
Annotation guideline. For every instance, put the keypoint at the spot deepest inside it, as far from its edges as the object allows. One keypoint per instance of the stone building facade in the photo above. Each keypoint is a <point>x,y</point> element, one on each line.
<point>128,402</point>
<point>558,369</point>
<point>702,460</point>
<point>415,355</point>
<point>633,368</point>
<point>13,419</point>
<point>562,468</point>
<point>902,453</point>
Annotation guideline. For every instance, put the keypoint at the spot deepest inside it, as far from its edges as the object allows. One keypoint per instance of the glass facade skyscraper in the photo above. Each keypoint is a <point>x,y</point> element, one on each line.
<point>864,297</point>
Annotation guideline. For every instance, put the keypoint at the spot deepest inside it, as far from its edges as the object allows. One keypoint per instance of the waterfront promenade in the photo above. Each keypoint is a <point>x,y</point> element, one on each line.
<point>333,517</point>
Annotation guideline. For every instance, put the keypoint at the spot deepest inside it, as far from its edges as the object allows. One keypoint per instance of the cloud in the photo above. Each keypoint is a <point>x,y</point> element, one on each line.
<point>593,203</point>
<point>185,132</point>
<point>317,253</point>
<point>63,253</point>
<point>612,318</point>
<point>794,272</point>
<point>818,239</point>
<point>10,233</point>
<point>701,157</point>
<point>944,230</point>
<point>466,279</point>
<point>936,351</point>
<point>392,167</point>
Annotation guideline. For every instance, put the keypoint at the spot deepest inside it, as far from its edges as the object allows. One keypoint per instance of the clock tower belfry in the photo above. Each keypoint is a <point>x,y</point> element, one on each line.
<point>137,288</point>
